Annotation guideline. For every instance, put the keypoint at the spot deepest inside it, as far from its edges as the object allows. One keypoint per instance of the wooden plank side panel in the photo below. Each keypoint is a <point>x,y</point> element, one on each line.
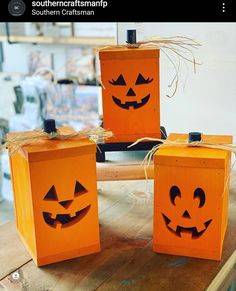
<point>23,200</point>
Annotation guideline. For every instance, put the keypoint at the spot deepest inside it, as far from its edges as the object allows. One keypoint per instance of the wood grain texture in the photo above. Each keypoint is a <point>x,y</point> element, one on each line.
<point>112,171</point>
<point>126,261</point>
<point>138,69</point>
<point>12,252</point>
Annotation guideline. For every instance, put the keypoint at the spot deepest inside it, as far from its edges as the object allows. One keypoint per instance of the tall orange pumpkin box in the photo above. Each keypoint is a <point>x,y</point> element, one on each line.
<point>191,197</point>
<point>55,197</point>
<point>131,91</point>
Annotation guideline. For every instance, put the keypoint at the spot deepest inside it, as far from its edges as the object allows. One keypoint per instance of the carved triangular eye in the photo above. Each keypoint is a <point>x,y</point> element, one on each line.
<point>79,189</point>
<point>141,80</point>
<point>51,195</point>
<point>119,82</point>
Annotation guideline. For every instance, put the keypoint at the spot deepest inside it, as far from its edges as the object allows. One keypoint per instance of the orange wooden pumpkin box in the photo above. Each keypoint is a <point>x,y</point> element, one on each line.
<point>55,197</point>
<point>131,92</point>
<point>191,198</point>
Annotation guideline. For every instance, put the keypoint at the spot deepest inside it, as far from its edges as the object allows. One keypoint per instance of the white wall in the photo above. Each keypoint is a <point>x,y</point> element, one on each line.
<point>208,101</point>
<point>15,56</point>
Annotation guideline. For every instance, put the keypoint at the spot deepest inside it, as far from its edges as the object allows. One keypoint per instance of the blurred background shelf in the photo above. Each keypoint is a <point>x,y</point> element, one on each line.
<point>61,40</point>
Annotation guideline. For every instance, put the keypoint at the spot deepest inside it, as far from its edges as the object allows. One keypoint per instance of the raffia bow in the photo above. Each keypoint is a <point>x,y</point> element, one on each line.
<point>17,141</point>
<point>166,143</point>
<point>176,49</point>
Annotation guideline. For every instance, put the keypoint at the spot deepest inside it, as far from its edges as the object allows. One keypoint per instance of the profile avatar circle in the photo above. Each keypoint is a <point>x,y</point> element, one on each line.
<point>16,7</point>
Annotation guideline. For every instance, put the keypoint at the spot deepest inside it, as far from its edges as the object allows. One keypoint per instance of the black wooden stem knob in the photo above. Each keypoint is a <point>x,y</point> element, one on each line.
<point>49,125</point>
<point>194,136</point>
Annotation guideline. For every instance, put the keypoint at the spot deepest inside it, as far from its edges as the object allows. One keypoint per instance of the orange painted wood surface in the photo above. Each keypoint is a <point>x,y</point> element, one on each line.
<point>55,195</point>
<point>47,149</point>
<point>191,198</point>
<point>131,93</point>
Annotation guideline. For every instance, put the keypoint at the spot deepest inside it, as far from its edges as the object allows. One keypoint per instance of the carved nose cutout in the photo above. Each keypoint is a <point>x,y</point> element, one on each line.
<point>66,203</point>
<point>131,92</point>
<point>186,214</point>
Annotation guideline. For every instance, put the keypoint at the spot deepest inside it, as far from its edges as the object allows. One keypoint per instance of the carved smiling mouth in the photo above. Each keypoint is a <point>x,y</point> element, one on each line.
<point>65,219</point>
<point>129,104</point>
<point>193,230</point>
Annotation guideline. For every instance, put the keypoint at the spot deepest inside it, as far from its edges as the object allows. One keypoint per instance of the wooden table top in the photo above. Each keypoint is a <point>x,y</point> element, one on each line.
<point>126,261</point>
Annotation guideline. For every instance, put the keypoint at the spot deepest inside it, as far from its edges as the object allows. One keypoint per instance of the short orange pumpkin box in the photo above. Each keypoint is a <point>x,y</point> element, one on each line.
<point>131,92</point>
<point>191,198</point>
<point>55,197</point>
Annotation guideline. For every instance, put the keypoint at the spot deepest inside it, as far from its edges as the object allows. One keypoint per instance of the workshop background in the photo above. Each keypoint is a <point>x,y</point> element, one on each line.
<point>204,100</point>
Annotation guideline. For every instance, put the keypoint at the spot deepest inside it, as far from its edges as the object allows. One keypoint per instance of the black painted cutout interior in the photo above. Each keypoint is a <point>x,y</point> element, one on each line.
<point>65,220</point>
<point>131,92</point>
<point>178,229</point>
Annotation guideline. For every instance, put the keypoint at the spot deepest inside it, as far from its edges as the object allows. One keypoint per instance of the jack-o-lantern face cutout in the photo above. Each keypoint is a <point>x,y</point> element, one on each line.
<point>177,229</point>
<point>131,93</point>
<point>65,220</point>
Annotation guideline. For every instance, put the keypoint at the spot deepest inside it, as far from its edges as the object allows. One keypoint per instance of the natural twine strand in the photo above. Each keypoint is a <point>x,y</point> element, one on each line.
<point>166,143</point>
<point>17,141</point>
<point>176,49</point>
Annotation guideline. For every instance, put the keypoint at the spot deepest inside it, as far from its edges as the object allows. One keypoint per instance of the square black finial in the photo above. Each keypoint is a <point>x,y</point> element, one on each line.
<point>131,36</point>
<point>194,136</point>
<point>49,125</point>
